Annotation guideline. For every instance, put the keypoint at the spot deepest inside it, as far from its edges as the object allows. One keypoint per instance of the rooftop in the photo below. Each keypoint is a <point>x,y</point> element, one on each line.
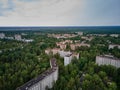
<point>109,56</point>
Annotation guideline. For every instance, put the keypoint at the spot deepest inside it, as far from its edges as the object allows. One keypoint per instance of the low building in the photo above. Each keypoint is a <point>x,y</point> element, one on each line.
<point>108,60</point>
<point>111,46</point>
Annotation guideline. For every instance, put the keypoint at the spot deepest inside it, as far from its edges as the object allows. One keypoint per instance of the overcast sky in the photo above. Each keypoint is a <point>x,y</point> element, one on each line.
<point>59,12</point>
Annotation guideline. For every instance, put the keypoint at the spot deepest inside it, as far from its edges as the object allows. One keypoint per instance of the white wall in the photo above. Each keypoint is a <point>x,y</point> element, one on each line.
<point>107,61</point>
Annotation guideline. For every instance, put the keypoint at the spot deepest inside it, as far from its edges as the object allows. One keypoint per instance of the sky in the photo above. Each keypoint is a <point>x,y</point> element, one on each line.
<point>59,12</point>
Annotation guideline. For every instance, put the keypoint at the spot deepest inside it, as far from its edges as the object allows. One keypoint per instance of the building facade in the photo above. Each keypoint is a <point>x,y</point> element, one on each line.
<point>67,59</point>
<point>111,46</point>
<point>43,81</point>
<point>108,60</point>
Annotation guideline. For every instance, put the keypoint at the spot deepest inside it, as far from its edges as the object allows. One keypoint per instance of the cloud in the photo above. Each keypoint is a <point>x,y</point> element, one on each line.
<point>40,12</point>
<point>4,3</point>
<point>58,12</point>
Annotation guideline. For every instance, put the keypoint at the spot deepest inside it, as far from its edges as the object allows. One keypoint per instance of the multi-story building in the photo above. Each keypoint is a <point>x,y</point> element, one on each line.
<point>64,53</point>
<point>80,33</point>
<point>114,35</point>
<point>74,46</point>
<point>53,51</point>
<point>2,35</point>
<point>68,58</point>
<point>111,46</point>
<point>18,37</point>
<point>43,81</point>
<point>67,55</point>
<point>108,60</point>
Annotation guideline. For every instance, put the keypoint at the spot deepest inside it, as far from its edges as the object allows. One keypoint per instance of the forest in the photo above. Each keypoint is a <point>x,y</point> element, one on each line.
<point>20,62</point>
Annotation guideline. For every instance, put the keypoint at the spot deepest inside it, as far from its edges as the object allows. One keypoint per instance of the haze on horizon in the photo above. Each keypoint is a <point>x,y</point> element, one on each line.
<point>59,12</point>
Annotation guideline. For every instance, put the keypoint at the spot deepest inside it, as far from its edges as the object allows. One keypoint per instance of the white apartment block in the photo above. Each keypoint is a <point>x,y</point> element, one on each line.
<point>46,79</point>
<point>111,46</point>
<point>67,59</point>
<point>114,35</point>
<point>108,60</point>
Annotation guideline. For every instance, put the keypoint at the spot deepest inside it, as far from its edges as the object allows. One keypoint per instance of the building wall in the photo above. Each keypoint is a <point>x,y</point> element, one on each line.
<point>112,46</point>
<point>64,53</point>
<point>67,60</point>
<point>46,82</point>
<point>50,77</point>
<point>107,61</point>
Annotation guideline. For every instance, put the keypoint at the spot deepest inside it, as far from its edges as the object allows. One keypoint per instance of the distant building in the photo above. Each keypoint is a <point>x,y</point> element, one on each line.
<point>28,40</point>
<point>108,60</point>
<point>11,38</point>
<point>53,51</point>
<point>80,33</point>
<point>68,58</point>
<point>74,46</point>
<point>114,35</point>
<point>2,35</point>
<point>100,35</point>
<point>62,45</point>
<point>64,53</point>
<point>67,55</point>
<point>18,37</point>
<point>88,38</point>
<point>111,46</point>
<point>44,80</point>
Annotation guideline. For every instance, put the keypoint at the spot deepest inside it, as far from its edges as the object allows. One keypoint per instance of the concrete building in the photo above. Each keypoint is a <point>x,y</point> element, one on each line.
<point>64,53</point>
<point>108,60</point>
<point>43,81</point>
<point>53,51</point>
<point>62,45</point>
<point>2,35</point>
<point>111,46</point>
<point>114,35</point>
<point>67,59</point>
<point>74,46</point>
<point>80,33</point>
<point>27,40</point>
<point>67,55</point>
<point>18,37</point>
<point>76,55</point>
